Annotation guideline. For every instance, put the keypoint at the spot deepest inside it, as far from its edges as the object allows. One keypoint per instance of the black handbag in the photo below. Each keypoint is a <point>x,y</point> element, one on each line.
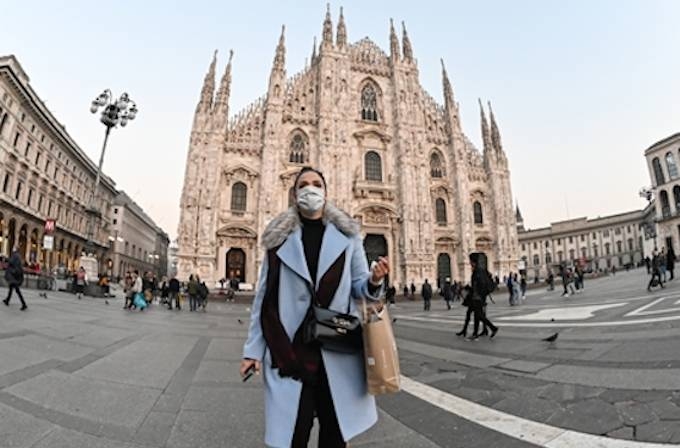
<point>333,331</point>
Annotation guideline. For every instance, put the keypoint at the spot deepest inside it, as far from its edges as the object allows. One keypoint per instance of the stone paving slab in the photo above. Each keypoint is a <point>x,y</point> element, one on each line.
<point>524,366</point>
<point>144,363</point>
<point>645,379</point>
<point>66,438</point>
<point>95,400</point>
<point>18,429</point>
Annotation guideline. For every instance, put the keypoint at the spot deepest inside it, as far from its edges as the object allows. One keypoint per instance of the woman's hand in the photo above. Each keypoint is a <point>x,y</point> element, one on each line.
<point>247,364</point>
<point>380,269</point>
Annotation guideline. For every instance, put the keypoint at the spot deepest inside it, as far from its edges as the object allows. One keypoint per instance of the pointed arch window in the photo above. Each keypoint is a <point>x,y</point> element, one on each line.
<point>373,166</point>
<point>369,103</point>
<point>658,172</point>
<point>671,166</point>
<point>436,165</point>
<point>239,193</point>
<point>477,209</point>
<point>299,152</point>
<point>440,211</point>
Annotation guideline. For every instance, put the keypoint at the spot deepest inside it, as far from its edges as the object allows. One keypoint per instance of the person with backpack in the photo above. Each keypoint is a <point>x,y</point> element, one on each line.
<point>14,274</point>
<point>203,293</point>
<point>482,285</point>
<point>426,292</point>
<point>312,244</point>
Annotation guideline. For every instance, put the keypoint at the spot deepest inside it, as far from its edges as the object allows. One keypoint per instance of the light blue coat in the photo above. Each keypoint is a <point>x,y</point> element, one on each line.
<point>354,407</point>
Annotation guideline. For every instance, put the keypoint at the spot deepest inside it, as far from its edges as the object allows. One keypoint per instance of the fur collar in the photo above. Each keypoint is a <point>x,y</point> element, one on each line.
<point>283,225</point>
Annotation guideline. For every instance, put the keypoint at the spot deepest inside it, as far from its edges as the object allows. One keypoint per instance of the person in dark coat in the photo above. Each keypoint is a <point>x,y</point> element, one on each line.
<point>173,293</point>
<point>481,287</point>
<point>413,290</point>
<point>448,293</point>
<point>390,294</point>
<point>426,292</point>
<point>670,261</point>
<point>14,274</point>
<point>656,272</point>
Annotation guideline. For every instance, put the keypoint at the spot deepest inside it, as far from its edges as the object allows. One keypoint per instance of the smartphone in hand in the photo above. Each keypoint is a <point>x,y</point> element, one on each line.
<point>249,373</point>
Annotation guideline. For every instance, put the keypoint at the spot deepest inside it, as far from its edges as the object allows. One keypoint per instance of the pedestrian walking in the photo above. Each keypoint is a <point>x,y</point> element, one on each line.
<point>426,292</point>
<point>648,264</point>
<point>656,272</point>
<point>390,294</point>
<point>173,293</point>
<point>482,285</point>
<point>670,261</point>
<point>509,285</point>
<point>137,288</point>
<point>304,379</point>
<point>192,290</point>
<point>448,293</point>
<point>127,289</point>
<point>405,292</point>
<point>203,293</point>
<point>551,280</point>
<point>413,291</point>
<point>164,290</point>
<point>566,281</point>
<point>467,302</point>
<point>80,281</point>
<point>523,287</point>
<point>14,274</point>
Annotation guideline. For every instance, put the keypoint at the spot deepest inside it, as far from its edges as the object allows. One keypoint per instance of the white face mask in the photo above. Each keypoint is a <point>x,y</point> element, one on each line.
<point>311,199</point>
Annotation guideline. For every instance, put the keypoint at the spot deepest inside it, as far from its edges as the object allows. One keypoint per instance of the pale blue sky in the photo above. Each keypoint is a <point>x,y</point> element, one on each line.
<point>580,88</point>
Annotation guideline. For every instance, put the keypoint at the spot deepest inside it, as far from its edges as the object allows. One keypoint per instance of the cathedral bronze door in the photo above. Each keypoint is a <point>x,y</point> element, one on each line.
<point>236,265</point>
<point>443,267</point>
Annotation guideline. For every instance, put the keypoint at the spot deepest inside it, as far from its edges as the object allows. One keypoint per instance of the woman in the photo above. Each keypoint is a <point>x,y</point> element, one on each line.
<point>313,243</point>
<point>14,274</point>
<point>80,281</point>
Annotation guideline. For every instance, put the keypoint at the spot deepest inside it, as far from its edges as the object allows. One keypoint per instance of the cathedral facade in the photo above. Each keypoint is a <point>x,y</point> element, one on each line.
<point>393,157</point>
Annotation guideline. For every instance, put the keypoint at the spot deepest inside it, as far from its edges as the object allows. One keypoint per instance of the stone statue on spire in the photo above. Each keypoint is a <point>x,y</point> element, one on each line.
<point>495,133</point>
<point>280,56</point>
<point>341,36</point>
<point>406,43</point>
<point>327,35</point>
<point>208,90</point>
<point>486,136</point>
<point>394,44</point>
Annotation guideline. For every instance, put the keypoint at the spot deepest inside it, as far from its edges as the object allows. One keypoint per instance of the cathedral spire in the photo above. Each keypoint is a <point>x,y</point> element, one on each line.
<point>313,59</point>
<point>406,44</point>
<point>486,136</point>
<point>341,36</point>
<point>448,90</point>
<point>280,56</point>
<point>495,134</point>
<point>208,91</point>
<point>394,43</point>
<point>518,214</point>
<point>327,35</point>
<point>222,99</point>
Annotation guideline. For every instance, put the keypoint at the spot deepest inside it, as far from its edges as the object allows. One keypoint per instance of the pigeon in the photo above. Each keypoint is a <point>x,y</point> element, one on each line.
<point>552,338</point>
<point>240,321</point>
<point>106,302</point>
<point>552,319</point>
<point>394,319</point>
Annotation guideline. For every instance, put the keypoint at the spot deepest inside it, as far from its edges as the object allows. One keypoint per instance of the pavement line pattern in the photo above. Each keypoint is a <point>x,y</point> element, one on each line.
<point>613,323</point>
<point>519,428</point>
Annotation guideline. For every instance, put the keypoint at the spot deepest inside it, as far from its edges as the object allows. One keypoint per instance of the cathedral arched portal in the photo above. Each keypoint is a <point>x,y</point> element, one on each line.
<point>381,229</point>
<point>236,254</point>
<point>236,264</point>
<point>443,268</point>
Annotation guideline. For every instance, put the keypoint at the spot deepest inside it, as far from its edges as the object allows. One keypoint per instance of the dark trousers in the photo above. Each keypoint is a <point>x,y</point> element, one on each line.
<point>427,304</point>
<point>173,296</point>
<point>655,275</point>
<point>9,294</point>
<point>480,316</point>
<point>468,315</point>
<point>671,271</point>
<point>316,400</point>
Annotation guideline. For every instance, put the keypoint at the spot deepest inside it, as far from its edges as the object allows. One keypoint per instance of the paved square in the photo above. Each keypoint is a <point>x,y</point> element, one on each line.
<point>90,374</point>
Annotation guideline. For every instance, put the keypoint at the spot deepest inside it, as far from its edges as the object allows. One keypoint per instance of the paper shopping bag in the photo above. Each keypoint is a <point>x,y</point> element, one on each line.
<point>380,353</point>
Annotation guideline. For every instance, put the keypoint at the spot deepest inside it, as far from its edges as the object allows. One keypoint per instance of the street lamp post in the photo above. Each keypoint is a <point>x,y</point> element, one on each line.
<point>649,229</point>
<point>114,112</point>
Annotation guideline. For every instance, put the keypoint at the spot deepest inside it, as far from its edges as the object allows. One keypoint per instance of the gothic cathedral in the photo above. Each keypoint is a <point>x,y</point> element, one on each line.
<point>393,157</point>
